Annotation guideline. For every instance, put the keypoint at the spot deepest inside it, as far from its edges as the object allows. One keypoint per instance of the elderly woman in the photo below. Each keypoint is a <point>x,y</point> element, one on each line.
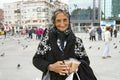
<point>61,53</point>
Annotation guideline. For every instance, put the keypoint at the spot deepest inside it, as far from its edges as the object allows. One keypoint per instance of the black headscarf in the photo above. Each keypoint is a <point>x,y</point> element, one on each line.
<point>62,36</point>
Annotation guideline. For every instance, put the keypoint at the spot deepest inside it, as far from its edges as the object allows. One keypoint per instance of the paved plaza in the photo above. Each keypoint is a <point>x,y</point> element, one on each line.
<point>16,50</point>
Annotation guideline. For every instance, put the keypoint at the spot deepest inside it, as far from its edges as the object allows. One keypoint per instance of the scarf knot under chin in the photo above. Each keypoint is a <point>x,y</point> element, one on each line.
<point>67,35</point>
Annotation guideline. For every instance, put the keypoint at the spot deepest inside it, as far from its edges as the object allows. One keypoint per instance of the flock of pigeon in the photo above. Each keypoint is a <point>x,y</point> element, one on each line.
<point>115,46</point>
<point>19,42</point>
<point>25,46</point>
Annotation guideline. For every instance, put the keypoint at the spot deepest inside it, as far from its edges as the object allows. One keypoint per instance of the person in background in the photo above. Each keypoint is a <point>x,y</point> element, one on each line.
<point>115,33</point>
<point>36,32</point>
<point>5,33</point>
<point>93,34</point>
<point>89,31</point>
<point>107,39</point>
<point>40,32</point>
<point>30,33</point>
<point>111,31</point>
<point>60,53</point>
<point>99,32</point>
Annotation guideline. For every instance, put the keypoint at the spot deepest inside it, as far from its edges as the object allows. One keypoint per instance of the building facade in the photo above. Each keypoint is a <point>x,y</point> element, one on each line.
<point>85,14</point>
<point>111,12</point>
<point>116,9</point>
<point>1,15</point>
<point>106,6</point>
<point>1,19</point>
<point>31,13</point>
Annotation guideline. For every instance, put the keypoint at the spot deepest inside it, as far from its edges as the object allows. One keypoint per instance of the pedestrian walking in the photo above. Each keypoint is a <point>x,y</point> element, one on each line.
<point>111,31</point>
<point>115,33</point>
<point>36,32</point>
<point>99,33</point>
<point>30,33</point>
<point>93,34</point>
<point>107,39</point>
<point>89,31</point>
<point>5,33</point>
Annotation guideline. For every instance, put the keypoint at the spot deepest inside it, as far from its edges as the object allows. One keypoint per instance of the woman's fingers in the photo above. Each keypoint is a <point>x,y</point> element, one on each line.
<point>63,72</point>
<point>60,67</point>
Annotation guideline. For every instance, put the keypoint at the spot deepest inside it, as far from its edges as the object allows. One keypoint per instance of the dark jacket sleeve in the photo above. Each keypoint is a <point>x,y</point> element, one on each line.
<point>40,63</point>
<point>85,72</point>
<point>39,60</point>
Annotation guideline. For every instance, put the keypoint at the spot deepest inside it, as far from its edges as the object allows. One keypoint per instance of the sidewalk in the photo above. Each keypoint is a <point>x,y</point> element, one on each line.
<point>20,50</point>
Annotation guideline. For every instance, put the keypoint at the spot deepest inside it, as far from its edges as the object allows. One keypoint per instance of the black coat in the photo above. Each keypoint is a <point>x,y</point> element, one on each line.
<point>48,52</point>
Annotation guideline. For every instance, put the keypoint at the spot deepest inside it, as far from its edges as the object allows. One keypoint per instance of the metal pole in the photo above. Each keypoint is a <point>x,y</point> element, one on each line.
<point>104,9</point>
<point>94,13</point>
<point>99,14</point>
<point>94,10</point>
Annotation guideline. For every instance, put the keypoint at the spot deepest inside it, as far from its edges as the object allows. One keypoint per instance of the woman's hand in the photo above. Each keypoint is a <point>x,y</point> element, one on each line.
<point>59,67</point>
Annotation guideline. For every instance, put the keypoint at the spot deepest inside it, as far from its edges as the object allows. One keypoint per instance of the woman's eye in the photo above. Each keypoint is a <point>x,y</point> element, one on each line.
<point>58,21</point>
<point>65,20</point>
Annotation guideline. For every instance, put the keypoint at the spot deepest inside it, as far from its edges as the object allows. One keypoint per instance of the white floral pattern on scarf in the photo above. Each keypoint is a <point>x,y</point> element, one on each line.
<point>44,47</point>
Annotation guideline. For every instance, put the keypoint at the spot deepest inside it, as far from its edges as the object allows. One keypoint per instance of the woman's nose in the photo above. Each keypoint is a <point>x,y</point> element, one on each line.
<point>62,23</point>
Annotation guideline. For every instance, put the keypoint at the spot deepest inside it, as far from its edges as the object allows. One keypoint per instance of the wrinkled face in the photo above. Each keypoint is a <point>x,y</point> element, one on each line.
<point>61,22</point>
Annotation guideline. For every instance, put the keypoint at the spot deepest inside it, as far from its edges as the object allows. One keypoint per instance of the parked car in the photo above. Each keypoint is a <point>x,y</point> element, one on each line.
<point>1,32</point>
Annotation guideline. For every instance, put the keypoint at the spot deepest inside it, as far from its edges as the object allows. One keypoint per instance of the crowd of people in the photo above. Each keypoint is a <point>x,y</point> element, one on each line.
<point>97,33</point>
<point>37,31</point>
<point>28,31</point>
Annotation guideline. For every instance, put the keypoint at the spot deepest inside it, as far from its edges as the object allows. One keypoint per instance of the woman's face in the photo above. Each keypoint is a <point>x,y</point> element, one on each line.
<point>61,21</point>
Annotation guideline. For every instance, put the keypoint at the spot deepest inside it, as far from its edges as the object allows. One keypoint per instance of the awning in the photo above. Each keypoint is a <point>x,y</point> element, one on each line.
<point>7,26</point>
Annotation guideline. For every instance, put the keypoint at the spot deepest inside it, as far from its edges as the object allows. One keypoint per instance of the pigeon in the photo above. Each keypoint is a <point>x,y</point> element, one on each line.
<point>2,43</point>
<point>18,66</point>
<point>113,43</point>
<point>98,48</point>
<point>18,42</point>
<point>3,54</point>
<point>90,47</point>
<point>25,46</point>
<point>115,47</point>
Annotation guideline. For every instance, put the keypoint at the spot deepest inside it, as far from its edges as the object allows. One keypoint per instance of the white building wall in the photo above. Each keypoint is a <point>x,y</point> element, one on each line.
<point>31,10</point>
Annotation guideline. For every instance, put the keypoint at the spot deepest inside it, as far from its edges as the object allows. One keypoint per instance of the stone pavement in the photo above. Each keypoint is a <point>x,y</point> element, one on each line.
<point>20,50</point>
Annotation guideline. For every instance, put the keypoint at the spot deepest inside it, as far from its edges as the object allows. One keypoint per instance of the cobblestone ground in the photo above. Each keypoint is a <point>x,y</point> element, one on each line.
<point>16,50</point>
